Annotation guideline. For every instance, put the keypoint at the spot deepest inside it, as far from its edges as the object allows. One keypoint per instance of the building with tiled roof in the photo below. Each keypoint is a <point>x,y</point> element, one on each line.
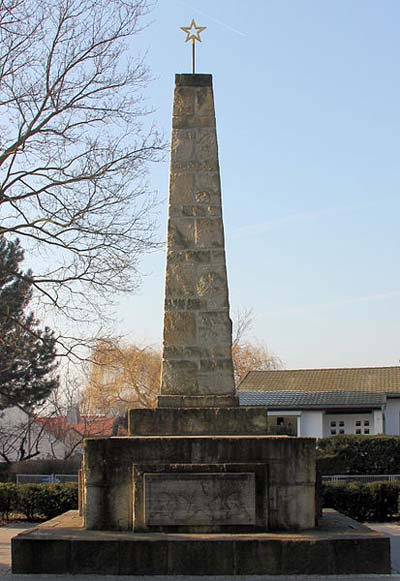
<point>325,402</point>
<point>23,436</point>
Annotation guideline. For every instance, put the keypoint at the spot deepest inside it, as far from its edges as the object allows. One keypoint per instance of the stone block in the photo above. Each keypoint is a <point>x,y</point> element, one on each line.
<point>183,144</point>
<point>192,121</point>
<point>49,556</point>
<point>181,188</point>
<point>214,327</point>
<point>89,558</point>
<point>197,401</point>
<point>358,555</point>
<point>204,144</point>
<point>178,374</point>
<point>141,558</point>
<point>184,101</point>
<point>181,234</point>
<point>210,183</point>
<point>305,558</point>
<point>198,421</point>
<point>190,80</point>
<point>204,101</point>
<point>180,328</point>
<point>209,233</point>
<point>181,280</point>
<point>212,284</point>
<point>194,166</point>
<point>252,555</point>
<point>200,499</point>
<point>216,382</point>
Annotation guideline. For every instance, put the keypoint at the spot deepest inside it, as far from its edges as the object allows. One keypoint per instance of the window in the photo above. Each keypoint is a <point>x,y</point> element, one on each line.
<point>280,421</point>
<point>358,431</point>
<point>366,422</point>
<point>333,432</point>
<point>341,431</point>
<point>366,431</point>
<point>341,424</point>
<point>333,424</point>
<point>358,423</point>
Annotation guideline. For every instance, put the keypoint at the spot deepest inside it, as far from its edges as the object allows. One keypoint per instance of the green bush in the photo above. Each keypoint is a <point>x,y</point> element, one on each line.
<point>38,500</point>
<point>8,497</point>
<point>359,455</point>
<point>28,499</point>
<point>372,501</point>
<point>57,498</point>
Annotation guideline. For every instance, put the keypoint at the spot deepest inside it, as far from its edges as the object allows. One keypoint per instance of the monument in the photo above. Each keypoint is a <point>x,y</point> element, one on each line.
<point>198,486</point>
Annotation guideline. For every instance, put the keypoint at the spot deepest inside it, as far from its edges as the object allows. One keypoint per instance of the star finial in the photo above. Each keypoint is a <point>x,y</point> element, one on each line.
<point>192,34</point>
<point>193,31</point>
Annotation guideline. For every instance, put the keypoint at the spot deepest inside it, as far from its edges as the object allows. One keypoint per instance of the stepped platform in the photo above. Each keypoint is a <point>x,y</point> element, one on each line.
<point>338,546</point>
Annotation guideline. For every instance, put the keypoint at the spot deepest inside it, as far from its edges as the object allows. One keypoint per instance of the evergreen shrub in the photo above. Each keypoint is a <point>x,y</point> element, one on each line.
<point>372,501</point>
<point>359,455</point>
<point>38,500</point>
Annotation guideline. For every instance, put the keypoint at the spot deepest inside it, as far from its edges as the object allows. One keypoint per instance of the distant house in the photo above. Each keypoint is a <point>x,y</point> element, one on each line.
<point>24,436</point>
<point>326,402</point>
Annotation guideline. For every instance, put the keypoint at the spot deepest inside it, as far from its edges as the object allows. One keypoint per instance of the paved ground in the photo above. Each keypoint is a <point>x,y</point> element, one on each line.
<point>393,531</point>
<point>6,533</point>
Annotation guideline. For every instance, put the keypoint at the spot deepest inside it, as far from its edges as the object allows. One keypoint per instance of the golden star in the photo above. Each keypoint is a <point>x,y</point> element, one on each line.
<point>193,31</point>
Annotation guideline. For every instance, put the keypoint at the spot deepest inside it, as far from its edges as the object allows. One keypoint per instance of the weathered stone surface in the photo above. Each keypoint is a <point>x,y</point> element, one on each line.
<point>198,421</point>
<point>339,546</point>
<point>285,484</point>
<point>197,401</point>
<point>196,289</point>
<point>200,499</point>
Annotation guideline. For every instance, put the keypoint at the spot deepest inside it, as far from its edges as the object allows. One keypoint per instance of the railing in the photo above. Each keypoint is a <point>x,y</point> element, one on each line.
<point>46,478</point>
<point>360,477</point>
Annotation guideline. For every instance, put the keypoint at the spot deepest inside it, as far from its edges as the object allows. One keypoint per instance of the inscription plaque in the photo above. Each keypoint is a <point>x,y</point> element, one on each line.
<point>200,499</point>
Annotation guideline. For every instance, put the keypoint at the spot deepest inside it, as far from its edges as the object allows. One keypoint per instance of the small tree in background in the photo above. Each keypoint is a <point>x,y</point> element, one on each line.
<point>122,377</point>
<point>248,355</point>
<point>27,351</point>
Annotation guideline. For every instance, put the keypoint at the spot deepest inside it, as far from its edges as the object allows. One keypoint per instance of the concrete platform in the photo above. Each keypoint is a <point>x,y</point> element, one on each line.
<point>338,546</point>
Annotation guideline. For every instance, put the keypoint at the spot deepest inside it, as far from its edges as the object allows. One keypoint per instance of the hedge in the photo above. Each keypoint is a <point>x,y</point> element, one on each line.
<point>37,500</point>
<point>372,501</point>
<point>359,455</point>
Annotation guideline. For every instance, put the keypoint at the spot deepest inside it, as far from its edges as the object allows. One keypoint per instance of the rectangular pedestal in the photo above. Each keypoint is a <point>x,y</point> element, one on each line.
<point>233,483</point>
<point>339,546</point>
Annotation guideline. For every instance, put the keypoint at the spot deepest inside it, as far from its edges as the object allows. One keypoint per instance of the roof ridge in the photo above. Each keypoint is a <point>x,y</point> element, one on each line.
<point>323,369</point>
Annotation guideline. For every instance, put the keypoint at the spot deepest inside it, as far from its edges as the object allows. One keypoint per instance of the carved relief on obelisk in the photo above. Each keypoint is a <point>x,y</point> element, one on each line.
<point>197,348</point>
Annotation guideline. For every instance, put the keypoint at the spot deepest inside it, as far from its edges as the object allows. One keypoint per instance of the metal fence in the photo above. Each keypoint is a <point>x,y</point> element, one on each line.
<point>46,478</point>
<point>361,477</point>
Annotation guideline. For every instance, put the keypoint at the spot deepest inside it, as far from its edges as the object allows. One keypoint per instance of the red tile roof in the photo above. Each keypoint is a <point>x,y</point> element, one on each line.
<point>88,426</point>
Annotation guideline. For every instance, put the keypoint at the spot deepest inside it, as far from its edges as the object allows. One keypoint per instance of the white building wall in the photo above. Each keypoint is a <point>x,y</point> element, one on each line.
<point>378,422</point>
<point>358,423</point>
<point>312,423</point>
<point>17,430</point>
<point>392,416</point>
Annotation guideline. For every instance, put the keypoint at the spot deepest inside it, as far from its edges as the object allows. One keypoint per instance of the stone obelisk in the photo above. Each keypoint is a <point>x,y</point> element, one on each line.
<point>197,368</point>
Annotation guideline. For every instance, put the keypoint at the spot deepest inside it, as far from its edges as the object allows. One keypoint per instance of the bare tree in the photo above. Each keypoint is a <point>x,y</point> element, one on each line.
<point>75,146</point>
<point>121,377</point>
<point>249,355</point>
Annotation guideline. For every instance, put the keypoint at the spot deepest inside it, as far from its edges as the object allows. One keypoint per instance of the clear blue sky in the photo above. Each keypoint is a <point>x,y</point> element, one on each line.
<point>308,118</point>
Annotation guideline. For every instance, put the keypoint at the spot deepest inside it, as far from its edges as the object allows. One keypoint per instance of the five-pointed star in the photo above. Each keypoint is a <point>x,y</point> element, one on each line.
<point>193,31</point>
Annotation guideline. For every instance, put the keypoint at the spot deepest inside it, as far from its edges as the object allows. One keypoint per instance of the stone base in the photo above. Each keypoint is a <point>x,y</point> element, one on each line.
<point>199,484</point>
<point>197,401</point>
<point>338,546</point>
<point>198,421</point>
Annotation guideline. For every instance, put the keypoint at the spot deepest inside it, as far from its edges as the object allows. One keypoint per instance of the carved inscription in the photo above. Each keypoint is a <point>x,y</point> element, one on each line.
<point>200,499</point>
